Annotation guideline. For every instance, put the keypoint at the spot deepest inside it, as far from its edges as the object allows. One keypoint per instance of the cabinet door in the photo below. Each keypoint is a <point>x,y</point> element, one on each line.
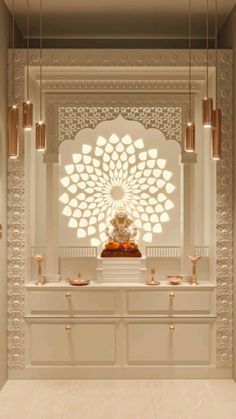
<point>148,343</point>
<point>73,301</point>
<point>190,343</point>
<point>172,302</point>
<point>179,343</point>
<point>88,343</point>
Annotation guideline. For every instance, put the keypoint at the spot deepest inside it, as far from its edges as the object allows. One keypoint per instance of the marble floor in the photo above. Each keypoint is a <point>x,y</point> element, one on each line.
<point>118,399</point>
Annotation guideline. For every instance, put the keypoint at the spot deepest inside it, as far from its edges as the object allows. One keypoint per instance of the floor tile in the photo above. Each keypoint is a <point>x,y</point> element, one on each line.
<point>118,399</point>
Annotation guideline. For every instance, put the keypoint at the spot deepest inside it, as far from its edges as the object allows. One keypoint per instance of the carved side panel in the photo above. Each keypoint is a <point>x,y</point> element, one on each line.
<point>224,233</point>
<point>16,262</point>
<point>16,242</point>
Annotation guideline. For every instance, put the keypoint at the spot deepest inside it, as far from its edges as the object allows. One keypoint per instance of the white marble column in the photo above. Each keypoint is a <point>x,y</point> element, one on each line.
<point>52,218</point>
<point>187,219</point>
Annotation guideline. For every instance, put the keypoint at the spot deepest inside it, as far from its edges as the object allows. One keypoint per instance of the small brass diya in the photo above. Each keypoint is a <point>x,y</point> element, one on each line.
<point>174,279</point>
<point>78,281</point>
<point>152,281</point>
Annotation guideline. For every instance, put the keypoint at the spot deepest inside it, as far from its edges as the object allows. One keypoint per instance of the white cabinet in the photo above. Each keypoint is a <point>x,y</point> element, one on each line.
<point>72,343</point>
<point>119,330</point>
<point>172,302</point>
<point>73,301</point>
<point>179,343</point>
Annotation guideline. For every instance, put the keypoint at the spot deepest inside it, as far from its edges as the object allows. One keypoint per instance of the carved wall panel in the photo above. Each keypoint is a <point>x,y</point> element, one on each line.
<point>16,184</point>
<point>166,119</point>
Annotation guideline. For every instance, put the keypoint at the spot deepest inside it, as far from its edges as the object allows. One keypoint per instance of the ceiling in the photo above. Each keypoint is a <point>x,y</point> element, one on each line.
<point>119,18</point>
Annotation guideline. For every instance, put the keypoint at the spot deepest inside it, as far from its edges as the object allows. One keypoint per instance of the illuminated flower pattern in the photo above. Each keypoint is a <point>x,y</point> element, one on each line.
<point>117,172</point>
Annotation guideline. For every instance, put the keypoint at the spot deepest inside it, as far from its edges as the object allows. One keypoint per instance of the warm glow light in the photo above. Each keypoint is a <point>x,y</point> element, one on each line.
<point>164,217</point>
<point>27,116</point>
<point>170,188</point>
<point>65,181</point>
<point>13,132</point>
<point>64,198</point>
<point>116,173</point>
<point>169,205</point>
<point>161,163</point>
<point>190,137</point>
<point>167,175</point>
<point>40,136</point>
<point>157,228</point>
<point>216,135</point>
<point>95,242</point>
<point>73,223</point>
<point>69,169</point>
<point>81,233</point>
<point>126,139</point>
<point>67,211</point>
<point>86,149</point>
<point>207,112</point>
<point>76,158</point>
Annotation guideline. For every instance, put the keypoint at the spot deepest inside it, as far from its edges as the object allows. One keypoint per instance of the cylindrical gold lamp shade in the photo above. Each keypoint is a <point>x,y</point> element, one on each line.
<point>190,138</point>
<point>216,135</point>
<point>207,111</point>
<point>13,132</point>
<point>27,115</point>
<point>40,136</point>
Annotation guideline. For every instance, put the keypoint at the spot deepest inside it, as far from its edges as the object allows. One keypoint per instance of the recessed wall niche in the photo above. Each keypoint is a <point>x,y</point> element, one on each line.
<point>119,164</point>
<point>33,229</point>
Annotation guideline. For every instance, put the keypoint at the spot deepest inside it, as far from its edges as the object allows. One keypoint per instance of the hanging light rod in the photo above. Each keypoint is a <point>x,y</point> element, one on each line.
<point>216,133</point>
<point>207,102</point>
<point>27,105</point>
<point>13,110</point>
<point>190,128</point>
<point>40,125</point>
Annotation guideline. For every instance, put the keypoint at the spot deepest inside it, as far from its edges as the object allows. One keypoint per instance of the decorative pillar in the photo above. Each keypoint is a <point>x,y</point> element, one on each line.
<point>187,204</point>
<point>52,262</point>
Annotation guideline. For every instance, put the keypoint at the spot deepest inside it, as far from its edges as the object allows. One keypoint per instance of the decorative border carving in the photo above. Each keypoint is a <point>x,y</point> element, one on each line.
<point>118,85</point>
<point>142,107</point>
<point>16,185</point>
<point>167,119</point>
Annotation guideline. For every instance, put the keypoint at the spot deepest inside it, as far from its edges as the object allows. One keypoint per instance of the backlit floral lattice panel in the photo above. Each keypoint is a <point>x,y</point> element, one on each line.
<point>117,172</point>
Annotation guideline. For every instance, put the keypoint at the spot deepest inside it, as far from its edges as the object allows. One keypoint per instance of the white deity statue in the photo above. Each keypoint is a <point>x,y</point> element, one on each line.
<point>122,228</point>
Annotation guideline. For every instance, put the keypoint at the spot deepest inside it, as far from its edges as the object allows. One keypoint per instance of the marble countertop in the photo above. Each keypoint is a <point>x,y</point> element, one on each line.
<point>164,285</point>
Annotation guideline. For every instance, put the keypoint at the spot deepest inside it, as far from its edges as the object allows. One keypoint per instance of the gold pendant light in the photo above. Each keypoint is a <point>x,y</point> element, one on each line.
<point>216,133</point>
<point>190,128</point>
<point>13,132</point>
<point>207,102</point>
<point>13,110</point>
<point>40,125</point>
<point>27,105</point>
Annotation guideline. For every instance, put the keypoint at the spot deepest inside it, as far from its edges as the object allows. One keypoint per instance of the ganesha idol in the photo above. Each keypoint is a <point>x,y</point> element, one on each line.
<point>121,237</point>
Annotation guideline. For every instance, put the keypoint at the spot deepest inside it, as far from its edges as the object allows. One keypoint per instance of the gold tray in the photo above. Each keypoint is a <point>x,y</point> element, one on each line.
<point>78,282</point>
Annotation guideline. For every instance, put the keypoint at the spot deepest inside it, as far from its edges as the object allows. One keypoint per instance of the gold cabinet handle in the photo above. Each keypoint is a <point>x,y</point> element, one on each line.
<point>68,295</point>
<point>172,295</point>
<point>68,328</point>
<point>172,328</point>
